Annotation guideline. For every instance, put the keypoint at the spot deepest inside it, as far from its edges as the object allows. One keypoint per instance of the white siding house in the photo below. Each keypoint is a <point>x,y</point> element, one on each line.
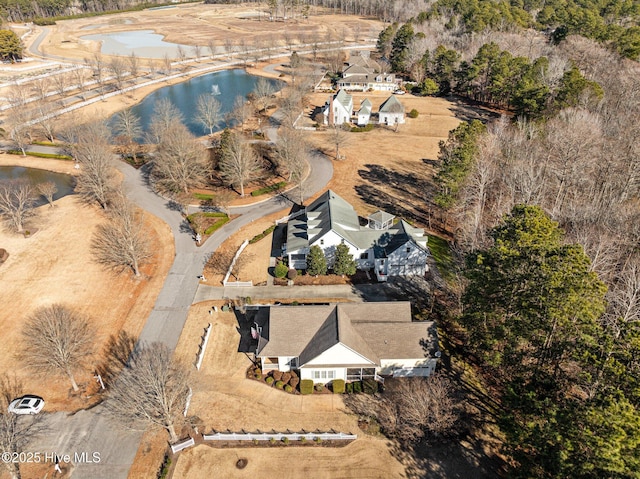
<point>349,341</point>
<point>338,109</point>
<point>364,113</point>
<point>391,112</point>
<point>390,248</point>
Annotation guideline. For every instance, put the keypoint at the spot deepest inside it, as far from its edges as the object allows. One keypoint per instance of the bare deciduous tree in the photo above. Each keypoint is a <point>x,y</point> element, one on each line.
<point>240,111</point>
<point>208,112</point>
<point>239,163</point>
<point>47,121</point>
<point>339,138</point>
<point>57,340</point>
<point>165,116</point>
<point>292,151</point>
<point>211,45</point>
<point>263,92</point>
<point>134,64</point>
<point>117,67</point>
<point>16,432</point>
<point>128,129</point>
<point>16,201</point>
<point>121,242</point>
<point>152,390</point>
<point>60,81</point>
<point>180,162</point>
<point>96,181</point>
<point>47,189</point>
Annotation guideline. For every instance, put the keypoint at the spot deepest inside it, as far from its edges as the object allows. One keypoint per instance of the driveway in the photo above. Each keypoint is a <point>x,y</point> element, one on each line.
<point>93,430</point>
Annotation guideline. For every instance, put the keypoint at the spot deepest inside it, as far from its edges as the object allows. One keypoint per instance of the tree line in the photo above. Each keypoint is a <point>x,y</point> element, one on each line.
<point>543,217</point>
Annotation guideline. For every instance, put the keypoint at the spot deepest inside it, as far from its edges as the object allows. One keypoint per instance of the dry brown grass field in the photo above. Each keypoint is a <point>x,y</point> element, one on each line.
<point>55,265</point>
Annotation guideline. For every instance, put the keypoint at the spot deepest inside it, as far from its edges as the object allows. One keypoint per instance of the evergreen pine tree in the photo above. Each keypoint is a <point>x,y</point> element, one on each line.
<point>344,263</point>
<point>316,262</point>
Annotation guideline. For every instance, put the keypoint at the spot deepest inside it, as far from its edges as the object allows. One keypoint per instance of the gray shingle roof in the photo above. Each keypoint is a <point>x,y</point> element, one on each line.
<point>344,99</point>
<point>365,107</point>
<point>392,105</point>
<point>381,216</point>
<point>405,232</point>
<point>374,330</point>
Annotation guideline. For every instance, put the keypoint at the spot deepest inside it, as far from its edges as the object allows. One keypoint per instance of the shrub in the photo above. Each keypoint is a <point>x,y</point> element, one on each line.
<point>286,377</point>
<point>288,389</point>
<point>360,129</point>
<point>303,439</point>
<point>306,386</point>
<point>357,387</point>
<point>272,440</point>
<point>291,274</point>
<point>294,381</point>
<point>281,270</point>
<point>255,441</point>
<point>285,440</point>
<point>258,371</point>
<point>317,439</point>
<point>277,375</point>
<point>413,113</point>
<point>269,380</point>
<point>217,225</point>
<point>349,388</point>
<point>41,155</point>
<point>259,236</point>
<point>269,189</point>
<point>257,376</point>
<point>370,386</point>
<point>319,387</point>
<point>279,384</point>
<point>338,386</point>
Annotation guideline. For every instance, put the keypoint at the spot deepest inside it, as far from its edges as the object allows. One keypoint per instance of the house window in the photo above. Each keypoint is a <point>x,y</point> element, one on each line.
<point>408,249</point>
<point>364,255</point>
<point>324,374</point>
<point>321,241</point>
<point>342,241</point>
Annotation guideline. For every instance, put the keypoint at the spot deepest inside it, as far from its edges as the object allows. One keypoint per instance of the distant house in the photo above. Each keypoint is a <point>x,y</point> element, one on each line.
<point>338,109</point>
<point>391,112</point>
<point>387,247</point>
<point>363,74</point>
<point>364,113</point>
<point>349,341</point>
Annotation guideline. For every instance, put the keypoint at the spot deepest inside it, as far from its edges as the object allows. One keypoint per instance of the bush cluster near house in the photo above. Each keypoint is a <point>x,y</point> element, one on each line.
<point>413,113</point>
<point>306,386</point>
<point>265,233</point>
<point>281,270</point>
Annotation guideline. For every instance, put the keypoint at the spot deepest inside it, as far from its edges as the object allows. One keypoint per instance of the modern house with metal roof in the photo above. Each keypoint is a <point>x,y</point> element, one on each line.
<point>349,341</point>
<point>382,244</point>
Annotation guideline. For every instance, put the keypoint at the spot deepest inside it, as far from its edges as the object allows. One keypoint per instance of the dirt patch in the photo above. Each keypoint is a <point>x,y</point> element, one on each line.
<point>55,265</point>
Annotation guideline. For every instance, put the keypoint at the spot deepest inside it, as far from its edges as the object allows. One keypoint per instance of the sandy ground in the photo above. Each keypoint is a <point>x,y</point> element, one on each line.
<point>55,266</point>
<point>224,399</point>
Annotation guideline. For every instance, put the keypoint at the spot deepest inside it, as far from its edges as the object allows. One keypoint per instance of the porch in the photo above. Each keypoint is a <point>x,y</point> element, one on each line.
<point>358,374</point>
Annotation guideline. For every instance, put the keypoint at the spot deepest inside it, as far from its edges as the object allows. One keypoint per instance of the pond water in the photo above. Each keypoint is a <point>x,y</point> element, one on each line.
<point>145,43</point>
<point>64,183</point>
<point>223,85</point>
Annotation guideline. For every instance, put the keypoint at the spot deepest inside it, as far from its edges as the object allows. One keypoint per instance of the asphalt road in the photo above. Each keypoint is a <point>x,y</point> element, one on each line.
<point>92,431</point>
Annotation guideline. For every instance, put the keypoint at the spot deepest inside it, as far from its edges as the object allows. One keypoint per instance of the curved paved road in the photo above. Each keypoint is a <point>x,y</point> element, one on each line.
<point>93,430</point>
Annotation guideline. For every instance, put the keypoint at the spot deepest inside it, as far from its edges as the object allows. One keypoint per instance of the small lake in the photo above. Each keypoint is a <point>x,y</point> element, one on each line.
<point>225,85</point>
<point>63,182</point>
<point>145,43</point>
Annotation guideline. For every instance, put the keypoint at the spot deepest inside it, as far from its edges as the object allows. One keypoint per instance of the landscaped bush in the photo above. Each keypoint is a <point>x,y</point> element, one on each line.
<point>370,386</point>
<point>279,384</point>
<point>281,270</point>
<point>338,386</point>
<point>306,386</point>
<point>259,236</point>
<point>349,388</point>
<point>277,375</point>
<point>269,189</point>
<point>303,439</point>
<point>413,113</point>
<point>216,226</point>
<point>269,380</point>
<point>317,439</point>
<point>360,129</point>
<point>272,440</point>
<point>319,387</point>
<point>285,440</point>
<point>288,389</point>
<point>294,381</point>
<point>291,274</point>
<point>357,387</point>
<point>41,155</point>
<point>258,371</point>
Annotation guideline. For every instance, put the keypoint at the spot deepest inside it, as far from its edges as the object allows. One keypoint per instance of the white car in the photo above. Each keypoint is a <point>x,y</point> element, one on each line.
<point>26,405</point>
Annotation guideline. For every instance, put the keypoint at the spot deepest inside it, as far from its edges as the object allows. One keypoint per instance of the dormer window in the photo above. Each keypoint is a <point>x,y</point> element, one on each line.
<point>322,242</point>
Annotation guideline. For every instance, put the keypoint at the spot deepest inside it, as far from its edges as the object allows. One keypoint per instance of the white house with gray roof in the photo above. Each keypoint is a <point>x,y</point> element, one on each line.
<point>364,113</point>
<point>382,244</point>
<point>391,112</point>
<point>349,341</point>
<point>338,109</point>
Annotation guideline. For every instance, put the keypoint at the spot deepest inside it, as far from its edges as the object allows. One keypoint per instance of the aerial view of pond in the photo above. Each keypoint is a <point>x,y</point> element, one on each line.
<point>144,43</point>
<point>64,183</point>
<point>225,85</point>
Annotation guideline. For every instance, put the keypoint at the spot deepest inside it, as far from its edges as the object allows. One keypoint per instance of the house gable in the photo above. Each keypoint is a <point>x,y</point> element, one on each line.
<point>338,354</point>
